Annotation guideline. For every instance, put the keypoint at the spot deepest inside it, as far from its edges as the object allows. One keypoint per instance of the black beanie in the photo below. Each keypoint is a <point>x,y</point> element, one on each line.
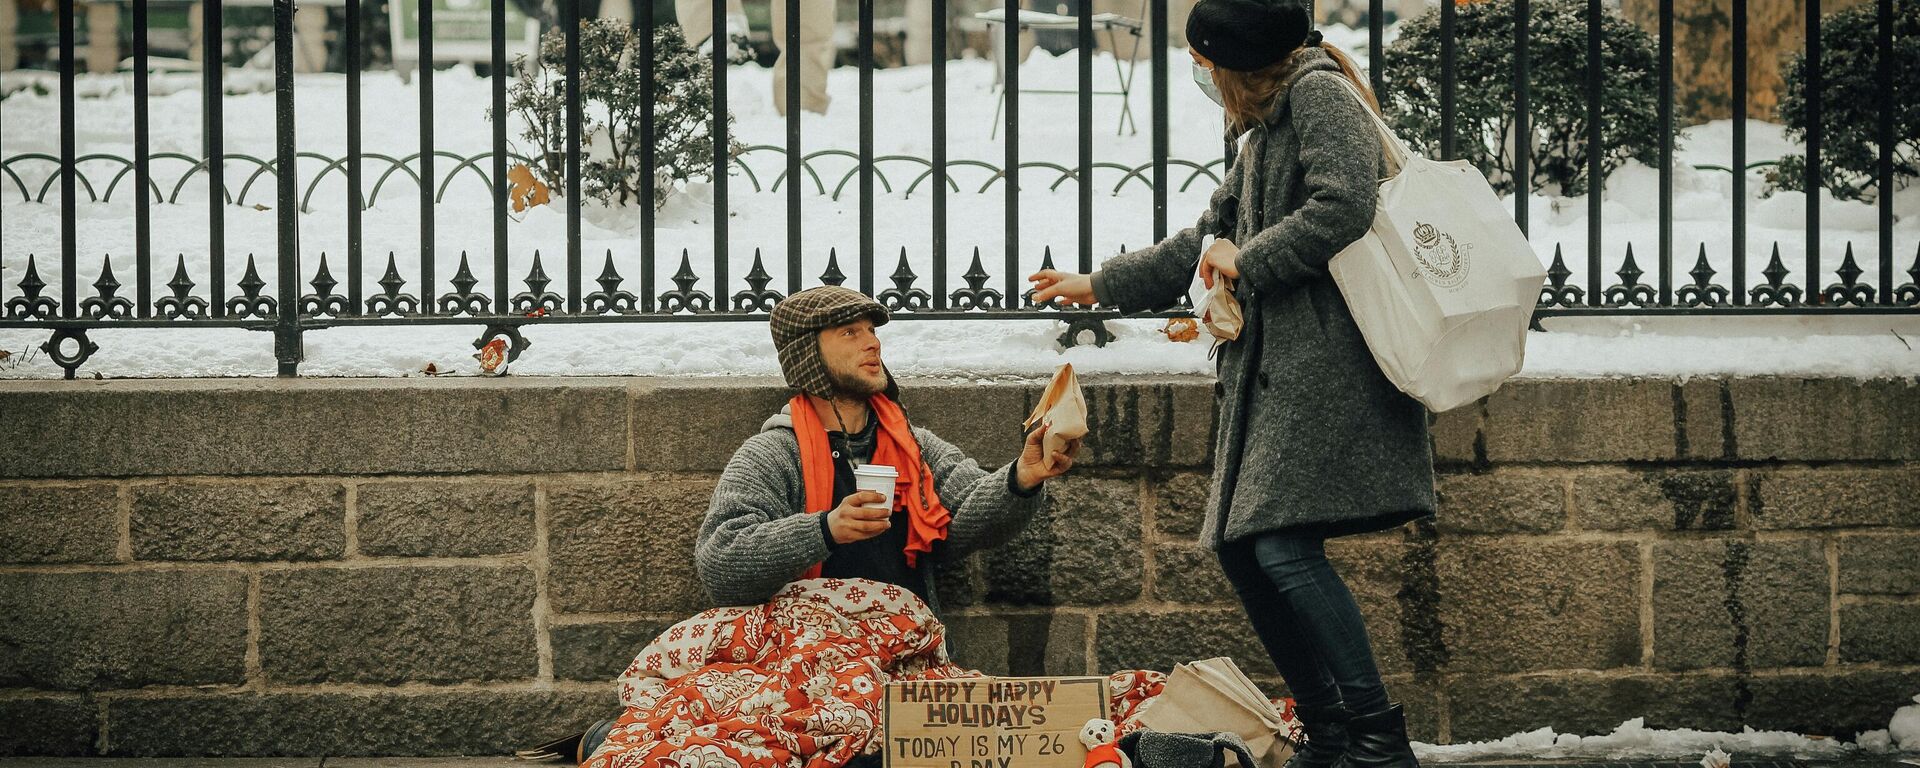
<point>1248,35</point>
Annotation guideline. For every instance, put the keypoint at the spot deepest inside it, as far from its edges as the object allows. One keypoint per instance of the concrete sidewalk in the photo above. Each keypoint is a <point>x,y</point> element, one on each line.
<point>1881,761</point>
<point>269,762</point>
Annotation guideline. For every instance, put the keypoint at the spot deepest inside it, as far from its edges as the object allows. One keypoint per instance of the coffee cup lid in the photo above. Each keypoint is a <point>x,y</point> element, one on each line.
<point>875,469</point>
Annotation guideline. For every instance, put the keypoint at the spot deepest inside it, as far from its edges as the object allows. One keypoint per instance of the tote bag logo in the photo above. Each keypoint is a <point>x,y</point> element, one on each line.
<point>1440,259</point>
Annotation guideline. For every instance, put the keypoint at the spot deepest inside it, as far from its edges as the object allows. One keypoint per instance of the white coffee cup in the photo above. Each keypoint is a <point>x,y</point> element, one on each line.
<point>878,478</point>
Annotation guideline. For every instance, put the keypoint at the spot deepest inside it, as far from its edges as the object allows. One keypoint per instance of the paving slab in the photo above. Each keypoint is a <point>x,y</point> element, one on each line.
<point>165,762</point>
<point>1868,761</point>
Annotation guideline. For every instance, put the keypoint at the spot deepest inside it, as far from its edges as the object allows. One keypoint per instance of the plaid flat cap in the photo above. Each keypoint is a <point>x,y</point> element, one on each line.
<point>797,321</point>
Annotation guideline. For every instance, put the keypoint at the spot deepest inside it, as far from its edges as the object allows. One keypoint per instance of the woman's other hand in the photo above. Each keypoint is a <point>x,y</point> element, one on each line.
<point>1222,258</point>
<point>1050,284</point>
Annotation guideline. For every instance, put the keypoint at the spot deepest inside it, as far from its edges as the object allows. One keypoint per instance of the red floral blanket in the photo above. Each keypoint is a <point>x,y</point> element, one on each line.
<point>795,683</point>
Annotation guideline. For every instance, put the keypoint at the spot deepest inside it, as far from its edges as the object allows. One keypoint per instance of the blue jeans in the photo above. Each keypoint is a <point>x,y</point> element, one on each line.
<point>1307,619</point>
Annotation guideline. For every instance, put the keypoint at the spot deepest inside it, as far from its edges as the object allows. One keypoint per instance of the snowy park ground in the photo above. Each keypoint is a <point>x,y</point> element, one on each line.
<point>1863,345</point>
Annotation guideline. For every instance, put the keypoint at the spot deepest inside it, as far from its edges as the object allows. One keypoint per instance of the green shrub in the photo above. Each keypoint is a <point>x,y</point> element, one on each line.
<point>1557,97</point>
<point>612,92</point>
<point>1850,103</point>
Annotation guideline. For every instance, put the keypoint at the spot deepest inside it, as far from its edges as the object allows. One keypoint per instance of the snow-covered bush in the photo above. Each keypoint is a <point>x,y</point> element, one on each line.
<point>1850,103</point>
<point>1557,105</point>
<point>613,91</point>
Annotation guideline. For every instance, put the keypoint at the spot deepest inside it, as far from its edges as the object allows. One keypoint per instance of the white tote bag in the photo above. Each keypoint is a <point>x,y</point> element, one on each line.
<point>1444,283</point>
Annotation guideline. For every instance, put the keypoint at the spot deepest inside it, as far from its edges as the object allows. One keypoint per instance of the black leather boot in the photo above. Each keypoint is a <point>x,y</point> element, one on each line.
<point>1379,740</point>
<point>1326,741</point>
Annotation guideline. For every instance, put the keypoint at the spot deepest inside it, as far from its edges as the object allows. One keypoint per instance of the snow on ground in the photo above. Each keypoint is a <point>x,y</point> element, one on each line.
<point>1574,347</point>
<point>757,222</point>
<point>1634,741</point>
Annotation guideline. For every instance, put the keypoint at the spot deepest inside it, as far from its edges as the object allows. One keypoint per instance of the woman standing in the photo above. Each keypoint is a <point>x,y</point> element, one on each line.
<point>1313,441</point>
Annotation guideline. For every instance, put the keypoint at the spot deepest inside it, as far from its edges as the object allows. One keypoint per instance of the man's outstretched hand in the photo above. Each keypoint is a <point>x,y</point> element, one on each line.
<point>1037,466</point>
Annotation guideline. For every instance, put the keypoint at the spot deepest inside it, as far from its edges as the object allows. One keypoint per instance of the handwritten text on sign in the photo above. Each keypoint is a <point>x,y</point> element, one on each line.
<point>991,722</point>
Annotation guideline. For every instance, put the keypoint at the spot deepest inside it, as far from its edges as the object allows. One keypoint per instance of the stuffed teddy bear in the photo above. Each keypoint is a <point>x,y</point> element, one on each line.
<point>1102,751</point>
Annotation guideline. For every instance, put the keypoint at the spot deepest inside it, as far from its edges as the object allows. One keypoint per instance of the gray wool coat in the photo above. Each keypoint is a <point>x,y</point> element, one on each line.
<point>1312,437</point>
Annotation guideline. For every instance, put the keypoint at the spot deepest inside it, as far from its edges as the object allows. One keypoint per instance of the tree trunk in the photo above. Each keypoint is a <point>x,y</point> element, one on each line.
<point>1703,52</point>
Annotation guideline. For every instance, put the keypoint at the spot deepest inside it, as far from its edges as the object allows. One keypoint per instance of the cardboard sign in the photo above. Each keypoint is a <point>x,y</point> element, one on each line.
<point>991,722</point>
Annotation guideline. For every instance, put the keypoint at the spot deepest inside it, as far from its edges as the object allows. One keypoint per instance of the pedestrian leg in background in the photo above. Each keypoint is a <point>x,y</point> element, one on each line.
<point>194,23</point>
<point>816,54</point>
<point>919,33</point>
<point>696,18</point>
<point>310,38</point>
<point>103,37</point>
<point>9,29</point>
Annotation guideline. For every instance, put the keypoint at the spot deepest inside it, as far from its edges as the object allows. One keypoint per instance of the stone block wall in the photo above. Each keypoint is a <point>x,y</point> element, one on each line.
<point>399,567</point>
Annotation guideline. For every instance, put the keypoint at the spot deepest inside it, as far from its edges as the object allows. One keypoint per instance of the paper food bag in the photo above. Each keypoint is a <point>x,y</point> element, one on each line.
<point>1063,409</point>
<point>1216,307</point>
<point>1213,695</point>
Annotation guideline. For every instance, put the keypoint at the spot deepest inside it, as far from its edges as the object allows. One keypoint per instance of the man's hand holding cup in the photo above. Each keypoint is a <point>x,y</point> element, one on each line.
<point>859,517</point>
<point>868,512</point>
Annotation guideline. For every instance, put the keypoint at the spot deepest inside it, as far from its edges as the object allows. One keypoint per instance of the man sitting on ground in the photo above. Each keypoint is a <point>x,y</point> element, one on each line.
<point>786,507</point>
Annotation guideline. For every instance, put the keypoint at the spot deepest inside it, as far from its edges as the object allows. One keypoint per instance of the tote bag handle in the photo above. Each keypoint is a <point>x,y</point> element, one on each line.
<point>1397,151</point>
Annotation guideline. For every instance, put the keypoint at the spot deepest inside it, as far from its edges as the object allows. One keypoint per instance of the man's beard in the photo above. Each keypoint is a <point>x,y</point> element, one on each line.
<point>854,386</point>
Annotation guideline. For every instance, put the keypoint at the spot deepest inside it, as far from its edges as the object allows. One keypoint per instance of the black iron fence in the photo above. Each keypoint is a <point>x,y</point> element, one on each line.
<point>287,309</point>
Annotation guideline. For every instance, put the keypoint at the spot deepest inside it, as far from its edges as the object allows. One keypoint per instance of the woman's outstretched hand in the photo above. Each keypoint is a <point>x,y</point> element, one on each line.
<point>1050,284</point>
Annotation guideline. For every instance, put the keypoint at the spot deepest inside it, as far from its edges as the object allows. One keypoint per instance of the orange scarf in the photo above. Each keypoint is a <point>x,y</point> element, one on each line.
<point>895,447</point>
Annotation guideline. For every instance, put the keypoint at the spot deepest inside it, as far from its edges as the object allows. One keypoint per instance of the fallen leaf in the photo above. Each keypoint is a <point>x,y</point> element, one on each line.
<point>1181,329</point>
<point>259,207</point>
<point>5,353</point>
<point>538,312</point>
<point>524,190</point>
<point>433,370</point>
<point>493,357</point>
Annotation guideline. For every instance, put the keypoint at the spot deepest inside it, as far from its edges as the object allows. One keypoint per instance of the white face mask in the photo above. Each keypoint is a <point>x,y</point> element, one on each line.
<point>1203,77</point>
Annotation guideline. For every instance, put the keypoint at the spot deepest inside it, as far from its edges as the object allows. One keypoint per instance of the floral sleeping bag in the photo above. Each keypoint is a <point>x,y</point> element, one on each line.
<point>795,683</point>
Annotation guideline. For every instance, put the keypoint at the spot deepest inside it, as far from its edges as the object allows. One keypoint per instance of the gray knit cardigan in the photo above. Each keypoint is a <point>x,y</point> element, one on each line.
<point>757,536</point>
